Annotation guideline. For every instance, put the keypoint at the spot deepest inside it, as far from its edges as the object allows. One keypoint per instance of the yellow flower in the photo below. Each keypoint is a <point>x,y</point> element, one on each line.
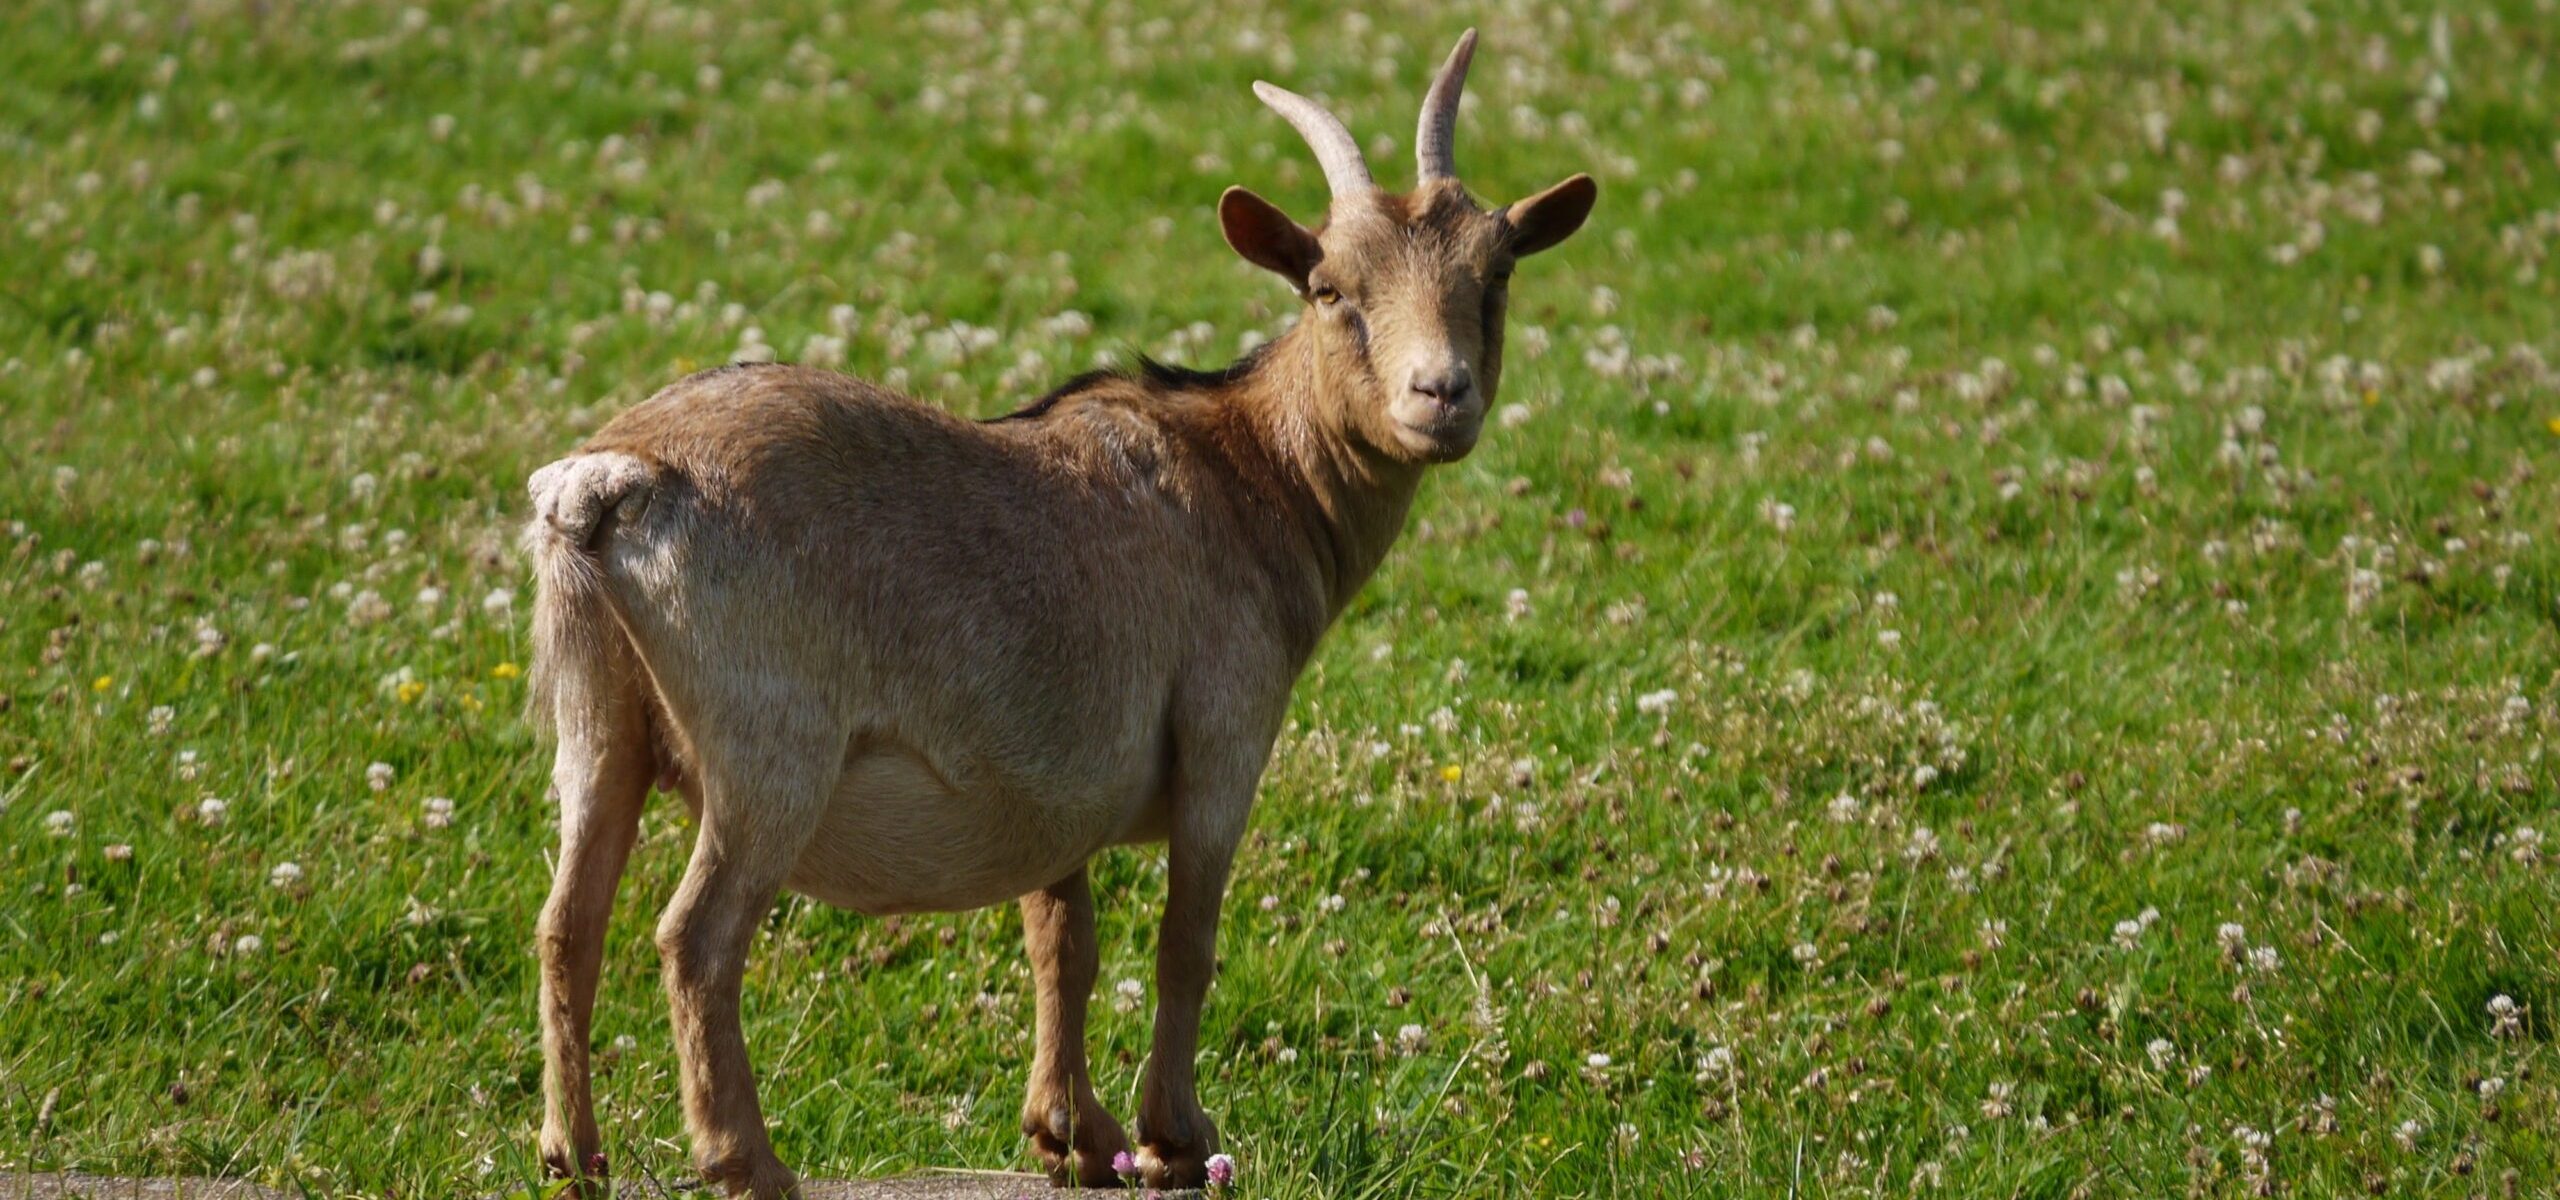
<point>1451,772</point>
<point>683,366</point>
<point>471,703</point>
<point>506,670</point>
<point>2553,425</point>
<point>103,683</point>
<point>2372,397</point>
<point>410,690</point>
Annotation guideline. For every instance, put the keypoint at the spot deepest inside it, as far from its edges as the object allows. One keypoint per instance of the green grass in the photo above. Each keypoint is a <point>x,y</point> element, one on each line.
<point>278,346</point>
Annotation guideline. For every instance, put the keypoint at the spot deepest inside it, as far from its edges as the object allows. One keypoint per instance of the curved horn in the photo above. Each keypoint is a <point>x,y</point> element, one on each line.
<point>1434,143</point>
<point>1344,170</point>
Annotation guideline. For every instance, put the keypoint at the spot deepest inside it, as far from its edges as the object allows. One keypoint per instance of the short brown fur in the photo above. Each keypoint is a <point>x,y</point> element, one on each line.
<point>896,660</point>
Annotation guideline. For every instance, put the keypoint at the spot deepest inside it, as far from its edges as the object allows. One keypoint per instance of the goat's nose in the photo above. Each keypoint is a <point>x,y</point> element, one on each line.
<point>1448,385</point>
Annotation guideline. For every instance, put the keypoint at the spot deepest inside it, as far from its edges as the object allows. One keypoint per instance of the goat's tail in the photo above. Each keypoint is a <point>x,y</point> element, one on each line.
<point>585,668</point>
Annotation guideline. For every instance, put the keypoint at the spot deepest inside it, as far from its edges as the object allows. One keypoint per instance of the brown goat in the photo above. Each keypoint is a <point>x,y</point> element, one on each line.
<point>898,661</point>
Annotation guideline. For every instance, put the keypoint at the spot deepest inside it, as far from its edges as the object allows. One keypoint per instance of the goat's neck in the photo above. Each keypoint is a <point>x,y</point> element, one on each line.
<point>1347,500</point>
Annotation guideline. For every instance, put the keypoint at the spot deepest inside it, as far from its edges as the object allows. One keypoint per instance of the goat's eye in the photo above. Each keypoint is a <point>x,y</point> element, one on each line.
<point>1327,296</point>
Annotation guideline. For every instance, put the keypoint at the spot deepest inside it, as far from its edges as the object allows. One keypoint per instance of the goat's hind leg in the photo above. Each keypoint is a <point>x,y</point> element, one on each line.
<point>1070,1130</point>
<point>600,775</point>
<point>762,794</point>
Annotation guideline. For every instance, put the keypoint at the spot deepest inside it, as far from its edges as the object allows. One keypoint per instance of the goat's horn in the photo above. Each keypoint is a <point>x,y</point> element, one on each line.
<point>1434,143</point>
<point>1344,170</point>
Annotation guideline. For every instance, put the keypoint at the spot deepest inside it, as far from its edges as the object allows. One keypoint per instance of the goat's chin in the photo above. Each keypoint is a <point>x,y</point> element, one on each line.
<point>1434,433</point>
<point>1444,442</point>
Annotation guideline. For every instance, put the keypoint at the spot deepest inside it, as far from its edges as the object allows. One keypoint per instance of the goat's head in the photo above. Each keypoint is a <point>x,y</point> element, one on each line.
<point>1405,293</point>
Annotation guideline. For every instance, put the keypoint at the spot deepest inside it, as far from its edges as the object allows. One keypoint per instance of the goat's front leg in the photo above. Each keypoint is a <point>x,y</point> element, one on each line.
<point>1175,1135</point>
<point>1070,1130</point>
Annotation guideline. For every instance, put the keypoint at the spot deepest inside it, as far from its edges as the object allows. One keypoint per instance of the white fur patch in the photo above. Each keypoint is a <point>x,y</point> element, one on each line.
<point>573,495</point>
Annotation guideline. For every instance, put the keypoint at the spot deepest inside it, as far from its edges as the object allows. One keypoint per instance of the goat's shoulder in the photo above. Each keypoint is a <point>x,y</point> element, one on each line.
<point>1117,428</point>
<point>1205,420</point>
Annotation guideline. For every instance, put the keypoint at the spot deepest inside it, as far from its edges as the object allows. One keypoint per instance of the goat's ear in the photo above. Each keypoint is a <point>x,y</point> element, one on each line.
<point>1267,238</point>
<point>1550,216</point>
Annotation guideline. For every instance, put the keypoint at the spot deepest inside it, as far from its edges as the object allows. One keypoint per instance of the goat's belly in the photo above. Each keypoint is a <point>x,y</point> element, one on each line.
<point>897,838</point>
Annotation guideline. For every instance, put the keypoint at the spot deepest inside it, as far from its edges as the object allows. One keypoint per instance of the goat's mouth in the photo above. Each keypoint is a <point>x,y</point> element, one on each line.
<point>1436,431</point>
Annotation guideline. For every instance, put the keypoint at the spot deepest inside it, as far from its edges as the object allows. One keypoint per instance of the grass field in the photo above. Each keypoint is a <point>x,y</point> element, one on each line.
<point>2004,642</point>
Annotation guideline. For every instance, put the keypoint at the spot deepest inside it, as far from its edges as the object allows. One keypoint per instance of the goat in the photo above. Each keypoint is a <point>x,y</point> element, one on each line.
<point>899,661</point>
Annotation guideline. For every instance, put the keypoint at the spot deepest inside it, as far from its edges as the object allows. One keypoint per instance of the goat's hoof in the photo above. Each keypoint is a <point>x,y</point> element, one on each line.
<point>584,1168</point>
<point>753,1176</point>
<point>1171,1167</point>
<point>1081,1156</point>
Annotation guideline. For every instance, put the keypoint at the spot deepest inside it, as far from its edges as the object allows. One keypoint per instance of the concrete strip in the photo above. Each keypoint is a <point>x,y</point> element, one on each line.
<point>926,1185</point>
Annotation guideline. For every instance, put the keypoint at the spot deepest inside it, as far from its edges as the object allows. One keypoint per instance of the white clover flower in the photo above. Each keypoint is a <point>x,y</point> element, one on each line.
<point>212,811</point>
<point>1410,1039</point>
<point>439,812</point>
<point>1656,703</point>
<point>2163,1053</point>
<point>60,823</point>
<point>247,943</point>
<point>285,875</point>
<point>368,607</point>
<point>2363,586</point>
<point>378,776</point>
<point>2506,1017</point>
